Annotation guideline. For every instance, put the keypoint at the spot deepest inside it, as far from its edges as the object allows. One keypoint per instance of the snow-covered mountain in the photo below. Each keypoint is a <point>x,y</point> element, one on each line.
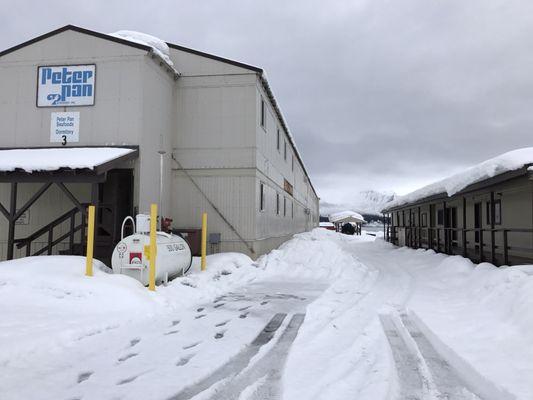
<point>367,202</point>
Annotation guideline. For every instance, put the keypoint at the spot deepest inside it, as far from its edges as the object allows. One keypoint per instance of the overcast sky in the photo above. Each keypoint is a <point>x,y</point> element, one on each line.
<point>384,95</point>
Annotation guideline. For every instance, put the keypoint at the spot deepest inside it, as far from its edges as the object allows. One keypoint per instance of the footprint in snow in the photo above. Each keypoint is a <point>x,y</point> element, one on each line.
<point>84,376</point>
<point>243,315</point>
<point>190,346</point>
<point>244,308</point>
<point>133,342</point>
<point>219,305</point>
<point>200,309</point>
<point>184,360</point>
<point>176,322</point>
<point>171,332</point>
<point>127,380</point>
<point>222,323</point>
<point>220,335</point>
<point>264,302</point>
<point>199,316</point>
<point>127,357</point>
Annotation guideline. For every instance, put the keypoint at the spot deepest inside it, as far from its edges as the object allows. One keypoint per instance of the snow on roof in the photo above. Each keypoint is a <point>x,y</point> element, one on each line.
<point>348,216</point>
<point>53,159</point>
<point>506,162</point>
<point>160,46</point>
<point>325,224</point>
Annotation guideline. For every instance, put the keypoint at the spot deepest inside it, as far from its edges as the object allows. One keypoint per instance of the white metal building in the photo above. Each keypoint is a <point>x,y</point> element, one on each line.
<point>214,123</point>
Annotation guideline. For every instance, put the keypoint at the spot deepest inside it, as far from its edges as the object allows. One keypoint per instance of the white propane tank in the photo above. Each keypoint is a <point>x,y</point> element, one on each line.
<point>173,254</point>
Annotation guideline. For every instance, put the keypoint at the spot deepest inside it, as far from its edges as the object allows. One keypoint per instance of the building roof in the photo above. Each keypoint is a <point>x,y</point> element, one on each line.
<point>76,29</point>
<point>47,161</point>
<point>148,48</point>
<point>346,216</point>
<point>511,164</point>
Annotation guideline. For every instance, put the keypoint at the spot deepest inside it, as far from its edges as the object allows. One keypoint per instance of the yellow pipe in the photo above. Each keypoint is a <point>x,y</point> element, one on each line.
<point>153,246</point>
<point>90,243</point>
<point>204,240</point>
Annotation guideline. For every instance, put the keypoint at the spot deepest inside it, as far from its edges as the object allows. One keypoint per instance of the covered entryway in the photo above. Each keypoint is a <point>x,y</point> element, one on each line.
<point>109,172</point>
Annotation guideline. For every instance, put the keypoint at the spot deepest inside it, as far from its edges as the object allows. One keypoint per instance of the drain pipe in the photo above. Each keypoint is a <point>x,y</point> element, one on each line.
<point>161,162</point>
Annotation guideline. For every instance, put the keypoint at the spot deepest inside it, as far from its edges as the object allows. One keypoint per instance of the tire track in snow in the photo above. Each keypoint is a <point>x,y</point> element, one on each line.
<point>262,381</point>
<point>447,381</point>
<point>236,364</point>
<point>422,372</point>
<point>411,381</point>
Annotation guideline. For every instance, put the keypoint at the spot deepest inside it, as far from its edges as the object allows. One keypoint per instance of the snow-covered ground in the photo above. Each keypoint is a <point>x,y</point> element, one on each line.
<point>325,316</point>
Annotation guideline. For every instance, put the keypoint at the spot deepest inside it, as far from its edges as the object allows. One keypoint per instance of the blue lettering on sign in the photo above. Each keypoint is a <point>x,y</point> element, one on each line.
<point>72,84</point>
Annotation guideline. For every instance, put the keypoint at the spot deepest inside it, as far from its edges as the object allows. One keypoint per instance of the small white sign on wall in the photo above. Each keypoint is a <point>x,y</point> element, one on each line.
<point>24,218</point>
<point>65,127</point>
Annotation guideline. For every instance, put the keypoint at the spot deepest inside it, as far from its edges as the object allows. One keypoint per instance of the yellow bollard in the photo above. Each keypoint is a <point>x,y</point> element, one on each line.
<point>204,240</point>
<point>90,243</point>
<point>153,246</point>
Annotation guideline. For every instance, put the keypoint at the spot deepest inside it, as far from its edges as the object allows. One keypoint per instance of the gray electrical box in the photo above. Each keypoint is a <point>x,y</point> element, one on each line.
<point>214,238</point>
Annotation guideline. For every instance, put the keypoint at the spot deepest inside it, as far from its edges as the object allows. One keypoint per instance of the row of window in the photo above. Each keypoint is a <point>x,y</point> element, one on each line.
<point>277,208</point>
<point>263,122</point>
<point>452,215</point>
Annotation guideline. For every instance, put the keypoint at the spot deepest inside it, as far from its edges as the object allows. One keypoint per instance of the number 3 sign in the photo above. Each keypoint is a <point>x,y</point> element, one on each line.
<point>65,127</point>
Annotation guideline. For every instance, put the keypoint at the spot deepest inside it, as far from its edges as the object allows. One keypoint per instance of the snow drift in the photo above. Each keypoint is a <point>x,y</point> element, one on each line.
<point>159,46</point>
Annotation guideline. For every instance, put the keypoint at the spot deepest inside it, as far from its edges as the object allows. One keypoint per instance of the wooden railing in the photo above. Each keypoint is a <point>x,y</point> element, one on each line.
<point>49,230</point>
<point>448,240</point>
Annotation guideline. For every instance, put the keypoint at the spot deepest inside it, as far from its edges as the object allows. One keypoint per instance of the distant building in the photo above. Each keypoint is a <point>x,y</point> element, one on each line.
<point>203,133</point>
<point>484,213</point>
<point>347,217</point>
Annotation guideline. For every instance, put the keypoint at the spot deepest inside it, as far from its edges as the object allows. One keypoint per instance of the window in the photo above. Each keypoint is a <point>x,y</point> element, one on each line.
<point>263,113</point>
<point>292,209</point>
<point>277,203</point>
<point>497,212</point>
<point>424,220</point>
<point>285,150</point>
<point>278,140</point>
<point>440,217</point>
<point>261,196</point>
<point>284,206</point>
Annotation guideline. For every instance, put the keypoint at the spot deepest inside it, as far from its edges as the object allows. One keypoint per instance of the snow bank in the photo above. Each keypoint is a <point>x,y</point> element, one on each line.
<point>481,312</point>
<point>509,161</point>
<point>225,271</point>
<point>160,46</point>
<point>49,299</point>
<point>309,255</point>
<point>31,160</point>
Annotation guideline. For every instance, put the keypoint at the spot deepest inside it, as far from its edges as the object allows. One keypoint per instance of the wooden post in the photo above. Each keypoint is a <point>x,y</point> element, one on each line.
<point>95,201</point>
<point>505,248</point>
<point>464,228</point>
<point>492,233</point>
<point>90,243</point>
<point>481,245</point>
<point>153,246</point>
<point>204,241</point>
<point>11,227</point>
<point>446,231</point>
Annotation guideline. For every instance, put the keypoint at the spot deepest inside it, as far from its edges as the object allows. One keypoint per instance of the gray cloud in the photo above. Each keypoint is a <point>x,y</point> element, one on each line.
<point>379,94</point>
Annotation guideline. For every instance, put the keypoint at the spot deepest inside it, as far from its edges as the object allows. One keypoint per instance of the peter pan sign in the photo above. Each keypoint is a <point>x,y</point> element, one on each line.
<point>68,85</point>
